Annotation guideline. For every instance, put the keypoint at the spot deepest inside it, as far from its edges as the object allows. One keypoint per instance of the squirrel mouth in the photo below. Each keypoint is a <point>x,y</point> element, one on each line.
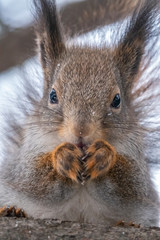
<point>83,147</point>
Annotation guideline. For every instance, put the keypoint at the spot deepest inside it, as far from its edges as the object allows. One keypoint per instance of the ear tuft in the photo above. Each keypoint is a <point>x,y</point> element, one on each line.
<point>128,54</point>
<point>49,36</point>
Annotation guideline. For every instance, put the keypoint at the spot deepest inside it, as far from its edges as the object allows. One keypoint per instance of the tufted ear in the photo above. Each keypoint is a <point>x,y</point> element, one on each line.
<point>49,38</point>
<point>128,54</point>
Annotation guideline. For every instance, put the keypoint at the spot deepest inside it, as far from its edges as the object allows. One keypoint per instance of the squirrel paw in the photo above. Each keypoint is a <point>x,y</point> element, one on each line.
<point>12,212</point>
<point>66,160</point>
<point>125,224</point>
<point>100,157</point>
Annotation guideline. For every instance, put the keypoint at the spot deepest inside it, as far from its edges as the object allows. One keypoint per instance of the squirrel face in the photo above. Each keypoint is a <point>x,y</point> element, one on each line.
<point>92,87</point>
<point>88,97</point>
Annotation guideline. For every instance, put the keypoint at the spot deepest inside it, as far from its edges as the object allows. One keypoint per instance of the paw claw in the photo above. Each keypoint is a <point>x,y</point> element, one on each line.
<point>79,178</point>
<point>84,158</point>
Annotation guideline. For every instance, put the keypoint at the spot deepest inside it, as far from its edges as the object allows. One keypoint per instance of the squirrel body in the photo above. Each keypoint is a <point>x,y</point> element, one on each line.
<point>81,153</point>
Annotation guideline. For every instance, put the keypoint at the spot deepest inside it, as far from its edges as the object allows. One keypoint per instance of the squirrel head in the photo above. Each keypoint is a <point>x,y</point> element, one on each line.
<point>88,91</point>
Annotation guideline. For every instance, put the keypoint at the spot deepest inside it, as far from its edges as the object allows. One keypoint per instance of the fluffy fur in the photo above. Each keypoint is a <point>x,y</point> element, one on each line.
<point>86,81</point>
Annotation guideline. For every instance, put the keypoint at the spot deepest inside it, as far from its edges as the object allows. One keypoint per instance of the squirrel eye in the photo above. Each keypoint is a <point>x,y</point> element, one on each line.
<point>53,96</point>
<point>116,101</point>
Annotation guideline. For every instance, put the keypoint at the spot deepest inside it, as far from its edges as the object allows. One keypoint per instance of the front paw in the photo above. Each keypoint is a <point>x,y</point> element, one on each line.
<point>12,212</point>
<point>100,158</point>
<point>66,160</point>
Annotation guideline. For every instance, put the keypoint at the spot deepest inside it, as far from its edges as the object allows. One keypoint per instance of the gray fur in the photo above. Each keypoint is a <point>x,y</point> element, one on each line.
<point>86,81</point>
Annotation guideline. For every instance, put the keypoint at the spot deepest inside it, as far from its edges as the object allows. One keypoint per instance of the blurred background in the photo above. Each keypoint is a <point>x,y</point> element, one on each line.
<point>17,50</point>
<point>16,34</point>
<point>16,31</point>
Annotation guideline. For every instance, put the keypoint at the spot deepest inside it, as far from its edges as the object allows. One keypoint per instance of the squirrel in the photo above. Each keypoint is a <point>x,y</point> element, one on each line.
<point>80,156</point>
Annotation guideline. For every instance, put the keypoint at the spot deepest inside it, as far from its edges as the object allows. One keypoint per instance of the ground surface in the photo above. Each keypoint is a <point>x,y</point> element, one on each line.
<point>19,229</point>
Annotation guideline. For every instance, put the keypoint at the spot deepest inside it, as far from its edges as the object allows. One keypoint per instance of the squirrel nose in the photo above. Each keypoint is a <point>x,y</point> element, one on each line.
<point>80,130</point>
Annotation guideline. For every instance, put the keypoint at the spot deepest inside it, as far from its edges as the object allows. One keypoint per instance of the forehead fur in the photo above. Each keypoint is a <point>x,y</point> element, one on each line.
<point>87,80</point>
<point>89,69</point>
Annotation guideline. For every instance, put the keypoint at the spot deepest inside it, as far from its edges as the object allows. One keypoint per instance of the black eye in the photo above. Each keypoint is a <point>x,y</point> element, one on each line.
<point>116,101</point>
<point>53,96</point>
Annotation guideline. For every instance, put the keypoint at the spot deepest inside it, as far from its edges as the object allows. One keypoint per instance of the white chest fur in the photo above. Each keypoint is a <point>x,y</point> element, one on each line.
<point>82,207</point>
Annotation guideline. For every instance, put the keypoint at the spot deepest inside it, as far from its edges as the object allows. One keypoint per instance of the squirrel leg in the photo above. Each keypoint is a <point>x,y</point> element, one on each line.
<point>66,160</point>
<point>12,211</point>
<point>100,158</point>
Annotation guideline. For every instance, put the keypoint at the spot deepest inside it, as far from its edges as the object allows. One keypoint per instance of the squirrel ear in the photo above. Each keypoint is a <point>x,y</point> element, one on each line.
<point>129,53</point>
<point>49,38</point>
